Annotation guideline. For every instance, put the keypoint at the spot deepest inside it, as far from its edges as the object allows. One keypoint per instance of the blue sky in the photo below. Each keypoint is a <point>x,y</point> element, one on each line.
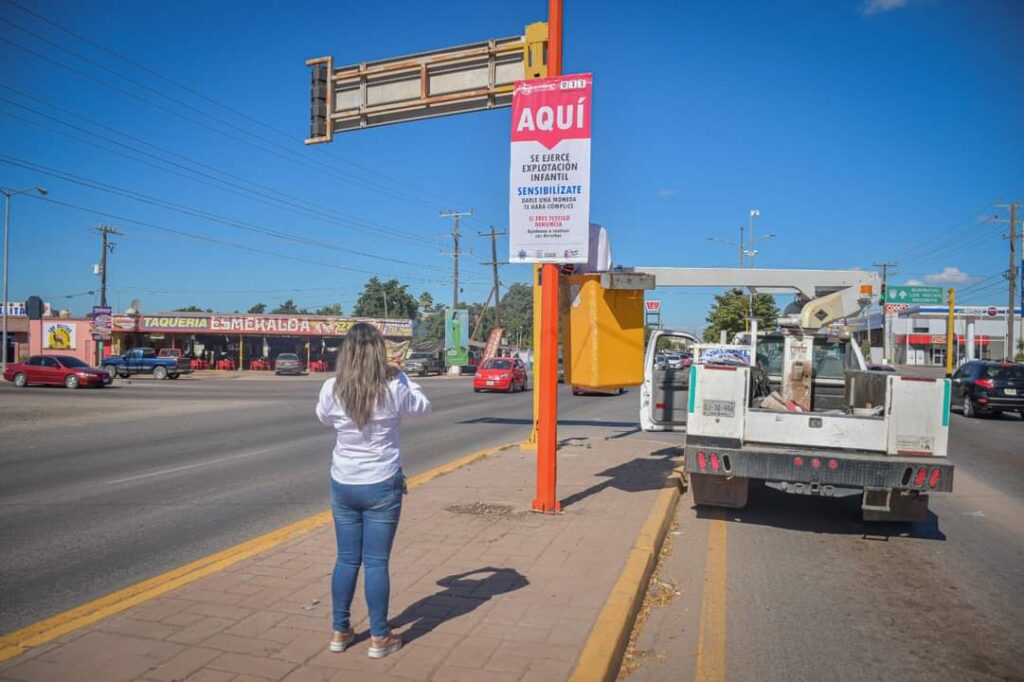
<point>862,131</point>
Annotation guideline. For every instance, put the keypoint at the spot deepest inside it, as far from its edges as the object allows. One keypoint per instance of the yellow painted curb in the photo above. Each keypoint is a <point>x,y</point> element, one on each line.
<point>46,630</point>
<point>602,654</point>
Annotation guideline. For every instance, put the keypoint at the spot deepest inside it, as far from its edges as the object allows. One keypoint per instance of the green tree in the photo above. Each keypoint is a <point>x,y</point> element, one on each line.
<point>426,302</point>
<point>386,299</point>
<point>190,309</point>
<point>258,309</point>
<point>289,308</point>
<point>729,312</point>
<point>517,312</point>
<point>333,309</point>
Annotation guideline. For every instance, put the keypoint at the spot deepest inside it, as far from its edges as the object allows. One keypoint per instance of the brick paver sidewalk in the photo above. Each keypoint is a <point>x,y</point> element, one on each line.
<point>482,589</point>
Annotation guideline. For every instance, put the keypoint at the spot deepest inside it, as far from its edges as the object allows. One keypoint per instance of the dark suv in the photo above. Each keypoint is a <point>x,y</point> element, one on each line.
<point>983,387</point>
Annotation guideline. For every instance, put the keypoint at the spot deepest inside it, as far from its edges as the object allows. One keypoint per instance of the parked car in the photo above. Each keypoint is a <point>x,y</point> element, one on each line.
<point>423,364</point>
<point>288,363</point>
<point>500,374</point>
<point>56,370</point>
<point>146,361</point>
<point>984,387</point>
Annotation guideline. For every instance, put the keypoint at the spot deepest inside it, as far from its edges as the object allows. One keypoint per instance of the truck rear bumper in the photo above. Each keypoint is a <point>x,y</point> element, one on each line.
<point>838,469</point>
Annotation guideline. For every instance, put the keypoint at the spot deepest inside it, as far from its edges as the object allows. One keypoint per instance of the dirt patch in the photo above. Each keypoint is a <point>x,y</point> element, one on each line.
<point>481,509</point>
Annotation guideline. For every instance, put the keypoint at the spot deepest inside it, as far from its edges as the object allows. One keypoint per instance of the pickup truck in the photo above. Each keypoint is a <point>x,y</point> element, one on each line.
<point>146,361</point>
<point>424,363</point>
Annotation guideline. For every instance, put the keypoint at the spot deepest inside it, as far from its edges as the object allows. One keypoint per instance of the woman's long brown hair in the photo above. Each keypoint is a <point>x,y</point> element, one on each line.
<point>363,373</point>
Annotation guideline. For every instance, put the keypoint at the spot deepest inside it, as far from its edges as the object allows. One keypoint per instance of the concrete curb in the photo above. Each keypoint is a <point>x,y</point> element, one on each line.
<point>46,630</point>
<point>603,651</point>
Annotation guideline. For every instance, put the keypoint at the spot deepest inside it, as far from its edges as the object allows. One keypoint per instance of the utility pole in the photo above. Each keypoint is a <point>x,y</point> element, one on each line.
<point>1011,275</point>
<point>455,215</point>
<point>494,269</point>
<point>108,247</point>
<point>887,269</point>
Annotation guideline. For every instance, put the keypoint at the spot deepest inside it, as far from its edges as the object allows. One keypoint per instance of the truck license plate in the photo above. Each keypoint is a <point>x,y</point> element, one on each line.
<point>719,408</point>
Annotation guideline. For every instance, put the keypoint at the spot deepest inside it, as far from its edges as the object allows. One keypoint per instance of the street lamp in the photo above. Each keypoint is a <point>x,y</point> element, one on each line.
<point>739,245</point>
<point>8,193</point>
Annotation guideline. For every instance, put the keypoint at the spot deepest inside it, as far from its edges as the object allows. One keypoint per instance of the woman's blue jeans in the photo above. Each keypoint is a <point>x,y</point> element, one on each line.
<point>365,521</point>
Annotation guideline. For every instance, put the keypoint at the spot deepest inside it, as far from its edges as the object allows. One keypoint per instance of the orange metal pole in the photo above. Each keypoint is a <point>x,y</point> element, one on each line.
<point>547,420</point>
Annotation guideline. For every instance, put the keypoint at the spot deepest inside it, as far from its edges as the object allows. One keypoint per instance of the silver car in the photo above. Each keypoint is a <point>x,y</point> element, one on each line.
<point>288,363</point>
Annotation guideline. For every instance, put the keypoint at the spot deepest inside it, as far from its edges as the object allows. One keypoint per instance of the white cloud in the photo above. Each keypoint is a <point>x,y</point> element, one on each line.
<point>950,276</point>
<point>914,282</point>
<point>879,6</point>
<point>667,192</point>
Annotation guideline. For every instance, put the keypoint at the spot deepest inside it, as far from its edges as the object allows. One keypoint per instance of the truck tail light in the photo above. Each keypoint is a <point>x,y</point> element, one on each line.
<point>798,461</point>
<point>833,464</point>
<point>933,479</point>
<point>984,383</point>
<point>919,479</point>
<point>815,463</point>
<point>702,461</point>
<point>714,461</point>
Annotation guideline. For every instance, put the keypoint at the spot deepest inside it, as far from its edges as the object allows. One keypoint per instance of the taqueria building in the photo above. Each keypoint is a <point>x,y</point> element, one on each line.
<point>244,338</point>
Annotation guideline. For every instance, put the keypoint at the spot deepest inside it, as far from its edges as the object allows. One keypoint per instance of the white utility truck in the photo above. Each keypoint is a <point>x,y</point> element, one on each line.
<point>797,408</point>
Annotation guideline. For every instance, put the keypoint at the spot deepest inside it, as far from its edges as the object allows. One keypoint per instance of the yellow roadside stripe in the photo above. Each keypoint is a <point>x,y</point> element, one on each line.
<point>711,646</point>
<point>50,628</point>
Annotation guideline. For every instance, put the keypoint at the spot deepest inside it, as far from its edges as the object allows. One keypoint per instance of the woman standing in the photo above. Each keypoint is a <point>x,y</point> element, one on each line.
<point>364,403</point>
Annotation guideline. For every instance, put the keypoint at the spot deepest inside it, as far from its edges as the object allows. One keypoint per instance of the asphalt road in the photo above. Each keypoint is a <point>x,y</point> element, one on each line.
<point>812,593</point>
<point>103,488</point>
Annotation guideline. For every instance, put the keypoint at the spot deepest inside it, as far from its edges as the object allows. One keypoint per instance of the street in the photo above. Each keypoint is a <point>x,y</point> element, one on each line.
<point>104,488</point>
<point>807,591</point>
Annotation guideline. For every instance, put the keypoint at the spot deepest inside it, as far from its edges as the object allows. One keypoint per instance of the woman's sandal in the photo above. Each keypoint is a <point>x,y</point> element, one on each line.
<point>384,646</point>
<point>342,641</point>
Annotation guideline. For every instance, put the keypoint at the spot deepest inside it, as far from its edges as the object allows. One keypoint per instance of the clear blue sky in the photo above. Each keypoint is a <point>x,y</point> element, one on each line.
<point>862,131</point>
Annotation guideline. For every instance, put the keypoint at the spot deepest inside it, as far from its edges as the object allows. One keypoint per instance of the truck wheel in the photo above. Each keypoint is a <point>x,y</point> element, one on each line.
<point>159,372</point>
<point>20,380</point>
<point>719,491</point>
<point>111,370</point>
<point>71,381</point>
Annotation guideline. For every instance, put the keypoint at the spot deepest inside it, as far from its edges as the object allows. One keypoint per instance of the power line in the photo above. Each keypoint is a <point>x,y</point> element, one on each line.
<point>244,185</point>
<point>211,100</point>
<point>222,242</point>
<point>205,215</point>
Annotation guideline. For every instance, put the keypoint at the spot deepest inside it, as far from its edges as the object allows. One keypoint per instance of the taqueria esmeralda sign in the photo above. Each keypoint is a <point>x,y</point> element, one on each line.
<point>295,325</point>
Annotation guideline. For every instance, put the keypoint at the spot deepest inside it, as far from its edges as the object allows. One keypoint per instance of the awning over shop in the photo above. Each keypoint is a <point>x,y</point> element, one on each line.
<point>260,325</point>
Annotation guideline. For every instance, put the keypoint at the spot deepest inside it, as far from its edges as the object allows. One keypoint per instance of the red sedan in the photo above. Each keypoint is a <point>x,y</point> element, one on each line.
<point>55,370</point>
<point>500,374</point>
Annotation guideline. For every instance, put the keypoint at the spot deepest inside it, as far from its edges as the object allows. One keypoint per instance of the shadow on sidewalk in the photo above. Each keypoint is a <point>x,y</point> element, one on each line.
<point>638,475</point>
<point>461,595</point>
<point>561,422</point>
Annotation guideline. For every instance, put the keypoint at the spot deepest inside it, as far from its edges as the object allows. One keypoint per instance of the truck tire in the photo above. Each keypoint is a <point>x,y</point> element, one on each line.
<point>159,372</point>
<point>111,370</point>
<point>719,491</point>
<point>20,380</point>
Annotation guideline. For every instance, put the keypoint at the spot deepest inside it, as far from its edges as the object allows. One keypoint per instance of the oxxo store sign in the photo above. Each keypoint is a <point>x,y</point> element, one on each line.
<point>269,325</point>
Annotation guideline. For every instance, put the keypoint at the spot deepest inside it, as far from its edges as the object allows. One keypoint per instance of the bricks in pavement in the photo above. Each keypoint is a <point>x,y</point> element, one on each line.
<point>482,589</point>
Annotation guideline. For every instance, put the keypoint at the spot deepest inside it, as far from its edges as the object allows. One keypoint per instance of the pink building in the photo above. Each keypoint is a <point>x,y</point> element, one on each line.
<point>61,336</point>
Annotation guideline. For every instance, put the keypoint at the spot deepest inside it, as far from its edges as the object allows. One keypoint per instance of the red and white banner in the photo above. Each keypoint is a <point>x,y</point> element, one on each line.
<point>549,179</point>
<point>493,340</point>
<point>653,306</point>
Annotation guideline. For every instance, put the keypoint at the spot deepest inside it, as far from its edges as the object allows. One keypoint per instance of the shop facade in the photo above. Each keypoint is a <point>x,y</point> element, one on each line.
<point>59,336</point>
<point>238,341</point>
<point>919,335</point>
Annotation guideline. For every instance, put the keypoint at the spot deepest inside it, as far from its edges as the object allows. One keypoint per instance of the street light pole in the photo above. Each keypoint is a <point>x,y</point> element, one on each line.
<point>8,194</point>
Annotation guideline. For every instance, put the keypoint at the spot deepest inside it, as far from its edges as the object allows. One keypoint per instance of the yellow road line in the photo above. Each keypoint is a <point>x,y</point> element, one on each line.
<point>711,647</point>
<point>50,628</point>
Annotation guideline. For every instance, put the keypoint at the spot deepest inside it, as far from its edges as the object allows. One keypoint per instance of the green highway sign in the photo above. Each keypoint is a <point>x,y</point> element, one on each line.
<point>914,295</point>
